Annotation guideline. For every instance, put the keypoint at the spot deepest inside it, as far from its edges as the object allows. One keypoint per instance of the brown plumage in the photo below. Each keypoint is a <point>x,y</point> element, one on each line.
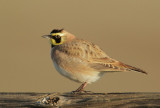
<point>81,60</point>
<point>94,56</point>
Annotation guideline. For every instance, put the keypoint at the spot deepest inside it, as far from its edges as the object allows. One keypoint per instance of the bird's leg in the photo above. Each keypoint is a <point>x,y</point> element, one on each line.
<point>81,88</point>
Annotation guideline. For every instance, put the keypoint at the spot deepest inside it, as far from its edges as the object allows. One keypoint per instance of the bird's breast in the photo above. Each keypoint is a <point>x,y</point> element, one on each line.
<point>74,68</point>
<point>64,72</point>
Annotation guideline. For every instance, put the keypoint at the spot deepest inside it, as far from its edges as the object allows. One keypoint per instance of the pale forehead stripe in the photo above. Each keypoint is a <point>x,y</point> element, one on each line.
<point>54,34</point>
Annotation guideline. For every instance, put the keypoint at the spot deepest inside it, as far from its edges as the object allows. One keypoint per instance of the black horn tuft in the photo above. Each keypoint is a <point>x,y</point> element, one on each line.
<point>56,30</point>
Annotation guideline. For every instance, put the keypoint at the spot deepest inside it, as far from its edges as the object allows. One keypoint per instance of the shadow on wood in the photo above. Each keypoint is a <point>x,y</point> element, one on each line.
<point>70,100</point>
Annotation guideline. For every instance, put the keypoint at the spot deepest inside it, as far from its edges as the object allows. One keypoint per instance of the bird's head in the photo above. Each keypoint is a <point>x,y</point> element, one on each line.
<point>59,36</point>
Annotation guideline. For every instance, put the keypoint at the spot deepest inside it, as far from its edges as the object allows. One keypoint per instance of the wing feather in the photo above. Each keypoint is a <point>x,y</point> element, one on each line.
<point>109,64</point>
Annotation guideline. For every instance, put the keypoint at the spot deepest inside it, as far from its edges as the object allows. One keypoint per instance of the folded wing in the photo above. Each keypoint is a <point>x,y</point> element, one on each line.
<point>111,65</point>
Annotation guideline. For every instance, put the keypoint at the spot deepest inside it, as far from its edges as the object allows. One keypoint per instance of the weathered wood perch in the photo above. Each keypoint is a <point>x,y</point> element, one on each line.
<point>70,100</point>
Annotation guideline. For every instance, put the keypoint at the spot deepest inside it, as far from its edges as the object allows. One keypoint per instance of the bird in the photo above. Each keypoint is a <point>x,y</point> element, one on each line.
<point>80,60</point>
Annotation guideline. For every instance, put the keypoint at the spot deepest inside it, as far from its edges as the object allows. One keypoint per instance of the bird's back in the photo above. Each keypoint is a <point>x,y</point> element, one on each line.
<point>81,49</point>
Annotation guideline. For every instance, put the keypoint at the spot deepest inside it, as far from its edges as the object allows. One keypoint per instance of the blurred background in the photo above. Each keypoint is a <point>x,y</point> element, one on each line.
<point>127,30</point>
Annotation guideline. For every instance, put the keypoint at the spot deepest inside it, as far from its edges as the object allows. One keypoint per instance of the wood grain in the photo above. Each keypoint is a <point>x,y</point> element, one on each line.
<point>77,100</point>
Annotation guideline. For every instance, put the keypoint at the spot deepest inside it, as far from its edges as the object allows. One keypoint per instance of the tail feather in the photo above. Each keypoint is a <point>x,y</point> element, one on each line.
<point>128,67</point>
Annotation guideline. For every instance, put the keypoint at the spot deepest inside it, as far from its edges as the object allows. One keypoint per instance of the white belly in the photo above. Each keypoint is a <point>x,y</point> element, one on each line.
<point>63,72</point>
<point>77,76</point>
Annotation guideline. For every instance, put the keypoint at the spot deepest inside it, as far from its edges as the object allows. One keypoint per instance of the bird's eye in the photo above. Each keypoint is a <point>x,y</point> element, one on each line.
<point>57,38</point>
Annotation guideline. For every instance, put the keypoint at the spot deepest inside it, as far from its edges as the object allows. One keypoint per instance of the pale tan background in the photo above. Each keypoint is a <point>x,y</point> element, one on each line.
<point>127,30</point>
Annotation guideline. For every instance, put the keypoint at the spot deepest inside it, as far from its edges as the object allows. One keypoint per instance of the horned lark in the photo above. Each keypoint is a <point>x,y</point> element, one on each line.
<point>81,60</point>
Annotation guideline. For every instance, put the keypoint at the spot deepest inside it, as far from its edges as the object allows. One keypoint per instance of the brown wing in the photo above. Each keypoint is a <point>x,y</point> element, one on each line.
<point>109,64</point>
<point>82,49</point>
